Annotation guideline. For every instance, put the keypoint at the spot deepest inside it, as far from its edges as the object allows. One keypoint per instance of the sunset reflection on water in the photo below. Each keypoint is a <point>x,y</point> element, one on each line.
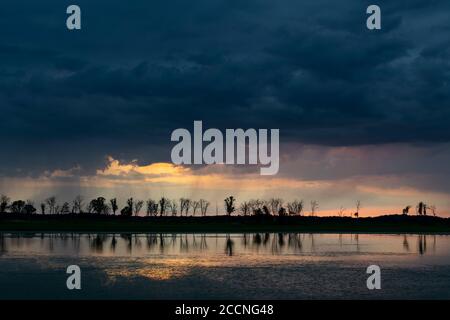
<point>253,265</point>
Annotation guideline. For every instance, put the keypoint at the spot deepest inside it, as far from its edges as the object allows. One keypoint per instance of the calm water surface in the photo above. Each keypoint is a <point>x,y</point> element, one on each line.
<point>221,266</point>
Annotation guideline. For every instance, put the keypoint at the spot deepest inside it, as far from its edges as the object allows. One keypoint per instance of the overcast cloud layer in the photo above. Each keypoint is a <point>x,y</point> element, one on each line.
<point>137,70</point>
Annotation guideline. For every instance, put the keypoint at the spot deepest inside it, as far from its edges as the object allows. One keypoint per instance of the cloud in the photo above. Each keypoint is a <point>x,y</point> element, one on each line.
<point>309,67</point>
<point>115,168</point>
<point>58,173</point>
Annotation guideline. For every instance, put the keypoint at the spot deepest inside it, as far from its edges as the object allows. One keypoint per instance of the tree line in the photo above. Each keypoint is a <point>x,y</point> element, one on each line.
<point>177,207</point>
<point>152,207</point>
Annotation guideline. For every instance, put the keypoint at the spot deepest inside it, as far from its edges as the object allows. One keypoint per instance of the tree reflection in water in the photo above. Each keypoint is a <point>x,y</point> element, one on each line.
<point>203,243</point>
<point>2,244</point>
<point>229,246</point>
<point>313,245</point>
<point>422,244</point>
<point>127,238</point>
<point>245,240</point>
<point>405,243</point>
<point>113,243</point>
<point>295,241</point>
<point>97,243</point>
<point>257,240</point>
<point>161,243</point>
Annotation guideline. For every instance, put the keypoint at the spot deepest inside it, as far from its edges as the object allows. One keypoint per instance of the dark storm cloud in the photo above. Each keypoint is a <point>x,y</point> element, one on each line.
<point>138,70</point>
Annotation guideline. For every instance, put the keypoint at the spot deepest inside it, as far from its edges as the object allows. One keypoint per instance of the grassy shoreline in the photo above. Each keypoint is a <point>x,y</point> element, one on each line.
<point>95,223</point>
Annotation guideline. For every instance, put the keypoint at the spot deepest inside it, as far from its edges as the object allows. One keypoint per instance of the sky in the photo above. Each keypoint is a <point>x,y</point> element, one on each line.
<point>363,114</point>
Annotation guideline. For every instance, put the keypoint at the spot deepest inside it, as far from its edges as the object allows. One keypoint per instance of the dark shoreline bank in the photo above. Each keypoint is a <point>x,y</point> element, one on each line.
<point>97,223</point>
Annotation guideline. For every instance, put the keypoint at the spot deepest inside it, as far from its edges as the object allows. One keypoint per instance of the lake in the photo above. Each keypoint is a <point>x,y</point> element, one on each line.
<point>224,266</point>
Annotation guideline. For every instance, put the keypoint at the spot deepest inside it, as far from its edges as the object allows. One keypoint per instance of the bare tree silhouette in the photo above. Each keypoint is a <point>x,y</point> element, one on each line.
<point>244,208</point>
<point>4,203</point>
<point>265,210</point>
<point>163,203</point>
<point>138,206</point>
<point>99,206</point>
<point>43,208</point>
<point>65,208</point>
<point>295,207</point>
<point>405,210</point>
<point>421,208</point>
<point>173,207</point>
<point>17,206</point>
<point>29,208</point>
<point>195,205</point>
<point>314,206</point>
<point>282,212</point>
<point>358,206</point>
<point>204,204</point>
<point>114,206</point>
<point>152,208</point>
<point>432,209</point>
<point>128,210</point>
<point>185,204</point>
<point>341,211</point>
<point>256,206</point>
<point>229,205</point>
<point>51,202</point>
<point>77,204</point>
<point>275,205</point>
